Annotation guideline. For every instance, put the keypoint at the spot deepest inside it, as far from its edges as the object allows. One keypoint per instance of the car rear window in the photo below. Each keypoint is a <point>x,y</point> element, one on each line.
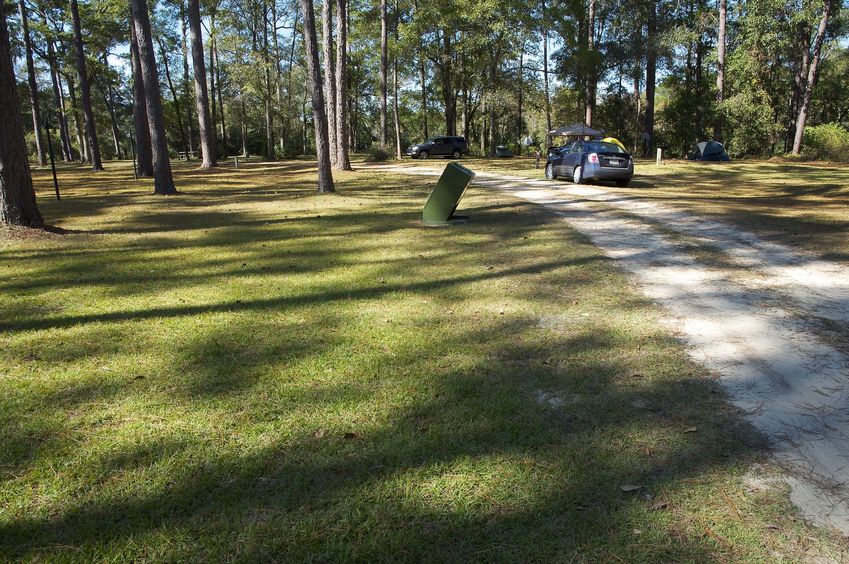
<point>599,147</point>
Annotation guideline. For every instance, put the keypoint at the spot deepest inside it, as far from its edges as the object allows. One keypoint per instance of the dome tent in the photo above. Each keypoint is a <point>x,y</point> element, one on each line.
<point>708,151</point>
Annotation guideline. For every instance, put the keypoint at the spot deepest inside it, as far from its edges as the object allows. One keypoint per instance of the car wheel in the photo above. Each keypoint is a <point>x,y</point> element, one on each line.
<point>622,183</point>
<point>456,155</point>
<point>424,155</point>
<point>549,172</point>
<point>577,175</point>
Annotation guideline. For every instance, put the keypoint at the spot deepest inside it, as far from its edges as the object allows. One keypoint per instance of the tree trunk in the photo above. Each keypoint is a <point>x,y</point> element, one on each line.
<point>395,90</point>
<point>343,161</point>
<point>78,121</point>
<point>545,69</point>
<point>214,110</point>
<point>206,126</point>
<point>85,90</point>
<point>423,81</point>
<point>591,74</point>
<point>220,95</point>
<point>812,78</point>
<point>17,197</point>
<point>720,68</point>
<point>290,87</point>
<point>651,75</point>
<point>33,85</point>
<point>110,105</point>
<point>325,175</point>
<point>59,102</point>
<point>278,77</point>
<point>144,155</point>
<point>447,75</point>
<point>163,181</point>
<point>383,71</point>
<point>187,95</point>
<point>803,44</point>
<point>176,99</point>
<point>519,128</point>
<point>329,77</point>
<point>269,118</point>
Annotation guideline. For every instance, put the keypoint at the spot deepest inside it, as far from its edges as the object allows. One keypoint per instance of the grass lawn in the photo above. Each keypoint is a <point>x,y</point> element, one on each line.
<point>250,371</point>
<point>799,204</point>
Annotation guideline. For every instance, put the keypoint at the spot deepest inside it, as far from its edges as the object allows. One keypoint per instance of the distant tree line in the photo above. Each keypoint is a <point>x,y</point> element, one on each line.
<point>280,78</point>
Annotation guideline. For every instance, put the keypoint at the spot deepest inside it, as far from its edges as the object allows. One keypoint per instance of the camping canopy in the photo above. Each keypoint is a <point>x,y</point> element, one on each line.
<point>708,151</point>
<point>574,130</point>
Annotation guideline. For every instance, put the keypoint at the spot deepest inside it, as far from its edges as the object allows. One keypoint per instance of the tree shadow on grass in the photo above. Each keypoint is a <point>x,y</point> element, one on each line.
<point>476,465</point>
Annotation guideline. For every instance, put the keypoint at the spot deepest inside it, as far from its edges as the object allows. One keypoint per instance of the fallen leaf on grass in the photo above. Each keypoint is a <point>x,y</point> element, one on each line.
<point>320,433</point>
<point>691,430</point>
<point>629,488</point>
<point>660,505</point>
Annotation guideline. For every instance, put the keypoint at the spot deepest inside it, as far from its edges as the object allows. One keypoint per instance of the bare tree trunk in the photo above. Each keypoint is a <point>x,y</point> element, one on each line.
<point>545,69</point>
<point>423,82</point>
<point>651,76</point>
<point>446,71</point>
<point>17,197</point>
<point>278,77</point>
<point>720,68</point>
<point>144,154</point>
<point>383,71</point>
<point>205,124</point>
<point>483,123</point>
<point>110,105</point>
<point>33,85</point>
<point>325,174</point>
<point>59,102</point>
<point>184,47</point>
<point>214,110</point>
<point>343,161</point>
<point>290,87</point>
<point>220,94</point>
<point>176,99</point>
<point>78,121</point>
<point>395,89</point>
<point>163,181</point>
<point>85,90</point>
<point>519,126</point>
<point>329,76</point>
<point>591,75</point>
<point>269,118</point>
<point>812,78</point>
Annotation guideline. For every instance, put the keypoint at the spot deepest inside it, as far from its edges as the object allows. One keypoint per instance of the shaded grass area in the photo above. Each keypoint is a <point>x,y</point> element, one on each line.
<point>803,205</point>
<point>251,371</point>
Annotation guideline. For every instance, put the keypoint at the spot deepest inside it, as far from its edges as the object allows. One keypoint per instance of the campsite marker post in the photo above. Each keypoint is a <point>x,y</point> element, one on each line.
<point>659,155</point>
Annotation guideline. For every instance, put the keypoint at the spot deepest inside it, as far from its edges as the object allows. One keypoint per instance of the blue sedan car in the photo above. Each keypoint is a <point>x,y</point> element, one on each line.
<point>585,161</point>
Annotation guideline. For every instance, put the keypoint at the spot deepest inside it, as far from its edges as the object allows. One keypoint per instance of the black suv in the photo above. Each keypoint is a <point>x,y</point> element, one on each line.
<point>449,147</point>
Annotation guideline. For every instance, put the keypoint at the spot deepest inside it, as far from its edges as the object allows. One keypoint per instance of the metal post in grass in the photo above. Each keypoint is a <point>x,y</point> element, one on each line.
<point>236,161</point>
<point>50,152</point>
<point>659,155</point>
<point>443,201</point>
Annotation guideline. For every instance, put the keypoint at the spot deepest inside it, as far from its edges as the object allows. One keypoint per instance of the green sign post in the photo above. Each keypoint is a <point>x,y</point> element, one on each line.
<point>442,203</point>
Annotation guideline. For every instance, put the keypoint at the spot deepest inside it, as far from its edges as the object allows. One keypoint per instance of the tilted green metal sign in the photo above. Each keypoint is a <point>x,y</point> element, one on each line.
<point>442,203</point>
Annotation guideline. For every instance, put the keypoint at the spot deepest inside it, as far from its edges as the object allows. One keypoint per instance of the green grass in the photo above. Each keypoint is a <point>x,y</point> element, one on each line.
<point>250,371</point>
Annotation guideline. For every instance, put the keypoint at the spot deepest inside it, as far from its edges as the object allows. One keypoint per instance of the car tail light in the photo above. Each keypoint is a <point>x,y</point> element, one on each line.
<point>593,158</point>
